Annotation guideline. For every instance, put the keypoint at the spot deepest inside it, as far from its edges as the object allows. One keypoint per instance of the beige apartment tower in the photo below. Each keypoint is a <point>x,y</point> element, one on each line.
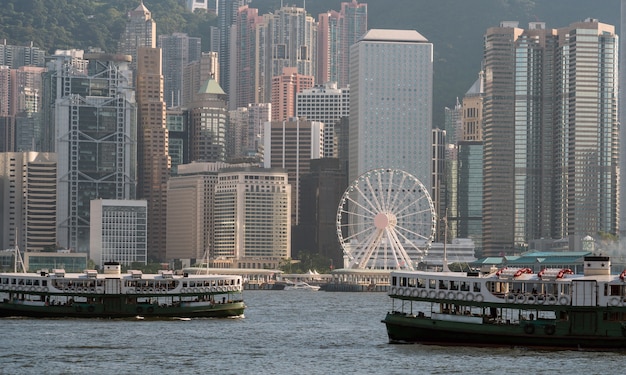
<point>154,162</point>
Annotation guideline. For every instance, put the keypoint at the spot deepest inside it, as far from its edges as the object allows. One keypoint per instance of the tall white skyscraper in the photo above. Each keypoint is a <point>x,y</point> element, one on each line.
<point>391,86</point>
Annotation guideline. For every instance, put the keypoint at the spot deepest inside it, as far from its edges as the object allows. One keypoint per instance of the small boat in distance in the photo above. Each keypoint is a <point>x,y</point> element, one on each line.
<point>511,307</point>
<point>120,295</point>
<point>301,285</point>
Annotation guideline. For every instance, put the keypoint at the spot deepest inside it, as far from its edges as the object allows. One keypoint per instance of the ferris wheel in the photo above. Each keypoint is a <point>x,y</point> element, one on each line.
<point>385,220</point>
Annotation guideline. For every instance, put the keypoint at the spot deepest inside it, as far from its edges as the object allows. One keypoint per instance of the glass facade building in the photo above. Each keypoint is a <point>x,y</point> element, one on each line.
<point>551,134</point>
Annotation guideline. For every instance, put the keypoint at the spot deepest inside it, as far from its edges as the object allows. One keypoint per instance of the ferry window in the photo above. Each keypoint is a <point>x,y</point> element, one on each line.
<point>403,280</point>
<point>393,281</point>
<point>432,284</point>
<point>443,284</point>
<point>477,287</point>
<point>615,290</point>
<point>464,286</point>
<point>412,282</point>
<point>421,283</point>
<point>453,285</point>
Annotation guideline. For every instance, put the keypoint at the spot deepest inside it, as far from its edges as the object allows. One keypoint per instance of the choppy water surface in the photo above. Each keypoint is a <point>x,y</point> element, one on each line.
<point>283,332</point>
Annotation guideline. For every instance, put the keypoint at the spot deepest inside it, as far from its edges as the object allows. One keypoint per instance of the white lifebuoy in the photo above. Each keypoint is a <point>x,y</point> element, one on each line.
<point>520,298</point>
<point>479,297</point>
<point>614,301</point>
<point>44,289</point>
<point>98,290</point>
<point>460,296</point>
<point>441,295</point>
<point>469,297</point>
<point>432,294</point>
<point>415,293</point>
<point>393,290</point>
<point>451,295</point>
<point>423,293</point>
<point>564,300</point>
<point>551,299</point>
<point>531,299</point>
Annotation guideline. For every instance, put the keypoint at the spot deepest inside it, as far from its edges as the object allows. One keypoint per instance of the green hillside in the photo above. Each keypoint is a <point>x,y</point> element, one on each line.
<point>455,27</point>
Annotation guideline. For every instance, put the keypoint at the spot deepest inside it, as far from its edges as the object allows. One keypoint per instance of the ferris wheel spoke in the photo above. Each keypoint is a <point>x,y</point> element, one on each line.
<point>412,243</point>
<point>370,246</point>
<point>398,192</point>
<point>357,234</point>
<point>377,203</point>
<point>414,214</point>
<point>402,203</point>
<point>358,204</point>
<point>367,200</point>
<point>358,215</point>
<point>402,229</point>
<point>401,251</point>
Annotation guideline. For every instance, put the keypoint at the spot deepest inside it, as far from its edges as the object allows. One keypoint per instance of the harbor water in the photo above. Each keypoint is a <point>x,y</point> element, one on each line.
<point>283,332</point>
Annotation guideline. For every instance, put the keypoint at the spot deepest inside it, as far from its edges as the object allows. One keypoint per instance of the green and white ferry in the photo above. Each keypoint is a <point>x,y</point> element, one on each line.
<point>554,308</point>
<point>113,294</point>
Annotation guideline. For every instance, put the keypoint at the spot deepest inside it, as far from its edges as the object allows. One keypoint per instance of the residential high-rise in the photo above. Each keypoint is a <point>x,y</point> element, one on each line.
<point>286,39</point>
<point>244,82</point>
<point>140,31</point>
<point>226,18</point>
<point>285,87</point>
<point>118,231</point>
<point>198,72</point>
<point>28,200</point>
<point>153,167</point>
<point>337,31</point>
<point>252,212</point>
<point>208,119</point>
<point>13,56</point>
<point>328,104</point>
<point>292,144</point>
<point>550,134</point>
<point>90,108</point>
<point>391,116</point>
<point>178,51</point>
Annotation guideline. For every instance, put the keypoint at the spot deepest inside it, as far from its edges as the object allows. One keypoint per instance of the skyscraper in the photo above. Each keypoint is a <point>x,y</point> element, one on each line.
<point>285,87</point>
<point>154,162</point>
<point>391,115</point>
<point>328,104</point>
<point>208,118</point>
<point>140,31</point>
<point>252,217</point>
<point>92,110</point>
<point>287,39</point>
<point>337,31</point>
<point>550,134</point>
<point>178,50</point>
<point>28,200</point>
<point>226,16</point>
<point>291,144</point>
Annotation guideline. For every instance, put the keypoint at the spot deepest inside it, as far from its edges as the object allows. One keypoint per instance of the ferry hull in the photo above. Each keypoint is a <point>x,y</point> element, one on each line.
<point>113,311</point>
<point>402,328</point>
